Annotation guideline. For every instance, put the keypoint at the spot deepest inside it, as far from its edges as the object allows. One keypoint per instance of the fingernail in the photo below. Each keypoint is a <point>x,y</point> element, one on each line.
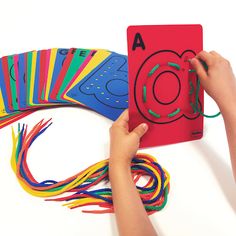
<point>145,126</point>
<point>191,60</point>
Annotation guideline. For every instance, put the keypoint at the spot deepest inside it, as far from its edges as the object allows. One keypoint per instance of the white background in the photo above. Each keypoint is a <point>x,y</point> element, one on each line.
<point>202,199</point>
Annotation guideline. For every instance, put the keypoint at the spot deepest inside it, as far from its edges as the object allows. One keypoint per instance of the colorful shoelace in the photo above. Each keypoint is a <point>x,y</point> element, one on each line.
<point>79,190</point>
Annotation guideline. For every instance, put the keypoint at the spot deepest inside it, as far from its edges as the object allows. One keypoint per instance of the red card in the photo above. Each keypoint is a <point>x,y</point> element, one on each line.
<point>7,82</point>
<point>15,118</point>
<point>162,84</point>
<point>62,74</point>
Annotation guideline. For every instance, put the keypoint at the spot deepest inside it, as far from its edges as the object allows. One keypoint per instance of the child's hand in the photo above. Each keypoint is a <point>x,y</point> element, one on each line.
<point>218,81</point>
<point>128,206</point>
<point>124,144</point>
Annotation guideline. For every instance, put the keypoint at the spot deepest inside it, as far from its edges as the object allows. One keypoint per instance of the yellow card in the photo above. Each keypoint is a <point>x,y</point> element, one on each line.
<point>2,106</point>
<point>98,58</point>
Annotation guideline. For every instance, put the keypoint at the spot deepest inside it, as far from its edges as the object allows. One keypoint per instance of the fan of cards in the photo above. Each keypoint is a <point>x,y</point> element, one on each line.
<point>96,79</point>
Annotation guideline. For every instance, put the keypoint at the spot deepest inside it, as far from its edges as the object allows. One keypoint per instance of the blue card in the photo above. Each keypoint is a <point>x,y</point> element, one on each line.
<point>22,81</point>
<point>105,89</point>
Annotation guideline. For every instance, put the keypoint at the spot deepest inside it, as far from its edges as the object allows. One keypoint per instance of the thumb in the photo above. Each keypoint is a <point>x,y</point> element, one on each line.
<point>140,130</point>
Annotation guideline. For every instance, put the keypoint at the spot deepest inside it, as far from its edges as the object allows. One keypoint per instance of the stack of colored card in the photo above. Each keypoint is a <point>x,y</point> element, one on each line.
<point>97,79</point>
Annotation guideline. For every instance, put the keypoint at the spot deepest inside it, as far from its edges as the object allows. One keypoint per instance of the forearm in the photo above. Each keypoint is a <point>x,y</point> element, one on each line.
<point>131,217</point>
<point>229,115</point>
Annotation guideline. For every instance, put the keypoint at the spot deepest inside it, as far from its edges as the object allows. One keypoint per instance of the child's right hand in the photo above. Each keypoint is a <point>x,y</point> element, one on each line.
<point>218,81</point>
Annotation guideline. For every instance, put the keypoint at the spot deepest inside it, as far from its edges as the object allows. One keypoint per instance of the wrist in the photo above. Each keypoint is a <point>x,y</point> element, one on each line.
<point>228,108</point>
<point>119,172</point>
<point>119,166</point>
<point>227,103</point>
<point>120,160</point>
<point>114,163</point>
<point>229,115</point>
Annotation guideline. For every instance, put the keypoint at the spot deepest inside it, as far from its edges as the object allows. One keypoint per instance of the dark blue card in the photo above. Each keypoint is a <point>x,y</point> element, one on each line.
<point>22,81</point>
<point>105,89</point>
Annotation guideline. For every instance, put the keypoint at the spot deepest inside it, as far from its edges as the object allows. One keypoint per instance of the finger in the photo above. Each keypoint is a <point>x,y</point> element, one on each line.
<point>218,56</point>
<point>140,130</point>
<point>200,70</point>
<point>123,119</point>
<point>206,57</point>
<point>214,53</point>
